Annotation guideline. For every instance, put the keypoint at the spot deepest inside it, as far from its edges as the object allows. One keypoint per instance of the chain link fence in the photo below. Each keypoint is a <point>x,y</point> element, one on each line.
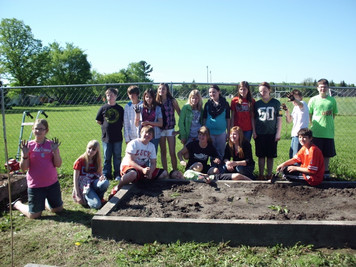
<point>71,111</point>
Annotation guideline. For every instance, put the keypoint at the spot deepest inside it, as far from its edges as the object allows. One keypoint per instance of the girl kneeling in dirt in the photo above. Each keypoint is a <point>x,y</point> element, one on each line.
<point>89,183</point>
<point>198,153</point>
<point>239,149</point>
<point>133,166</point>
<point>41,158</point>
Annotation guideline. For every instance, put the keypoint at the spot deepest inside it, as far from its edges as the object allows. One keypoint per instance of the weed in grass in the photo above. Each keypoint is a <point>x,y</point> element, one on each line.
<point>142,255</point>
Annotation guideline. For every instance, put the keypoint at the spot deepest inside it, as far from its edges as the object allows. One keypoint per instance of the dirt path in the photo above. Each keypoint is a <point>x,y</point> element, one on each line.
<point>240,200</point>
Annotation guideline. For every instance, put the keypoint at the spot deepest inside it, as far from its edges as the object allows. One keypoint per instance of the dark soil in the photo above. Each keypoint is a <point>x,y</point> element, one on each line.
<point>240,200</point>
<point>18,188</point>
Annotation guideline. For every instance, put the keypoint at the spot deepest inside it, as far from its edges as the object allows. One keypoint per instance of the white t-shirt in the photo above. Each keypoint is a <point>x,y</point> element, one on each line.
<point>141,152</point>
<point>300,118</point>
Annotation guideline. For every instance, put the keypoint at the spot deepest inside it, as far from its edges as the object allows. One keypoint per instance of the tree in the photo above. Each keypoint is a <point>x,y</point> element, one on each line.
<point>68,65</point>
<point>342,84</point>
<point>115,77</point>
<point>308,82</point>
<point>139,72</point>
<point>23,59</point>
<point>193,85</point>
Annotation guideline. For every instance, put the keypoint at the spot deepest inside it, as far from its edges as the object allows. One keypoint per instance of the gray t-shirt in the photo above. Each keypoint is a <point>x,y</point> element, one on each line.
<point>195,126</point>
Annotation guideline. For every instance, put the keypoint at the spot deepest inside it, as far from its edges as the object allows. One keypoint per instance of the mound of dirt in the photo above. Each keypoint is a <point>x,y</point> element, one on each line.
<point>240,200</point>
<point>18,188</point>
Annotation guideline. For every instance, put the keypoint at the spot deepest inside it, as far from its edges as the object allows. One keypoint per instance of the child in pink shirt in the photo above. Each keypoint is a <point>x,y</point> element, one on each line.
<point>41,158</point>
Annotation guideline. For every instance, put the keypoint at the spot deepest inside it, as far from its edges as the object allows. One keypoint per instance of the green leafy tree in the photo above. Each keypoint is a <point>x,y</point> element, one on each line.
<point>343,84</point>
<point>69,65</point>
<point>139,72</point>
<point>193,85</point>
<point>116,77</point>
<point>23,59</point>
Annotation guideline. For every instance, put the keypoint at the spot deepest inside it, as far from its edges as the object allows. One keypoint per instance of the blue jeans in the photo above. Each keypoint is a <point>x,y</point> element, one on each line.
<point>219,142</point>
<point>112,150</point>
<point>37,197</point>
<point>248,135</point>
<point>96,193</point>
<point>155,142</point>
<point>294,146</point>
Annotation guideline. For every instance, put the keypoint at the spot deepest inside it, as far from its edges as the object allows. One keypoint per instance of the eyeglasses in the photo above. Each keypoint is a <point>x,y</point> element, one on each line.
<point>40,129</point>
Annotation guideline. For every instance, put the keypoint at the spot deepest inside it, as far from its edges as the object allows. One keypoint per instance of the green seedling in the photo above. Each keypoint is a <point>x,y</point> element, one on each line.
<point>279,209</point>
<point>174,195</point>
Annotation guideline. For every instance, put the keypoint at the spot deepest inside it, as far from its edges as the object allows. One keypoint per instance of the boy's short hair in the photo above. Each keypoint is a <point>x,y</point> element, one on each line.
<point>133,90</point>
<point>305,132</point>
<point>115,91</point>
<point>149,129</point>
<point>324,81</point>
<point>297,92</point>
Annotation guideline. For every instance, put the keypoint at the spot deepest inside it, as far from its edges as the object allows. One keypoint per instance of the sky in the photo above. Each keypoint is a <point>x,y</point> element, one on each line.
<point>203,40</point>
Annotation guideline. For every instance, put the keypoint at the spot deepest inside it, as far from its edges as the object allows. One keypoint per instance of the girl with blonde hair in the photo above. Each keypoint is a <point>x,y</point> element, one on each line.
<point>191,118</point>
<point>89,185</point>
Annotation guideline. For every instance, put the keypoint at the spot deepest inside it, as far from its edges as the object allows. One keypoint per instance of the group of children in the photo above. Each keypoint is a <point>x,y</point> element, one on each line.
<point>214,131</point>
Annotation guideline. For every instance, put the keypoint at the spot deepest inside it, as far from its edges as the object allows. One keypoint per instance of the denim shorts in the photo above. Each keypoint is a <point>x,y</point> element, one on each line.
<point>37,197</point>
<point>167,133</point>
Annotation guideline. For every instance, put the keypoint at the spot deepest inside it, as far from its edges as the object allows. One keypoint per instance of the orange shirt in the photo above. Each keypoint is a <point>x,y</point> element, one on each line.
<point>313,160</point>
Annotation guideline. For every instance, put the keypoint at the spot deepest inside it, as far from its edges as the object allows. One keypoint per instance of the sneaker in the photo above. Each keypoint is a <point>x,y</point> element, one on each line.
<point>269,177</point>
<point>13,203</point>
<point>113,192</point>
<point>274,178</point>
<point>261,177</point>
<point>118,178</point>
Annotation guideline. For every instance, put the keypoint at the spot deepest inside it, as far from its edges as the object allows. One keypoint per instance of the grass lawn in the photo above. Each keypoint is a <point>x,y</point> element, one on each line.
<point>65,240</point>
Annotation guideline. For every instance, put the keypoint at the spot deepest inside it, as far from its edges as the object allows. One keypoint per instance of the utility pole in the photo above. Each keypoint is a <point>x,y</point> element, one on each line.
<point>207,74</point>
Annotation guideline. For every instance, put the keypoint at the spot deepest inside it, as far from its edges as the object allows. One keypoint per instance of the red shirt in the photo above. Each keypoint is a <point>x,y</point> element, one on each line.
<point>79,165</point>
<point>242,113</point>
<point>312,159</point>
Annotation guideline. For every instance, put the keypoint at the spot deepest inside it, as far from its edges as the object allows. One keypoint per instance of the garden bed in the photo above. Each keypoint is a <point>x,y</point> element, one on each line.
<point>250,213</point>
